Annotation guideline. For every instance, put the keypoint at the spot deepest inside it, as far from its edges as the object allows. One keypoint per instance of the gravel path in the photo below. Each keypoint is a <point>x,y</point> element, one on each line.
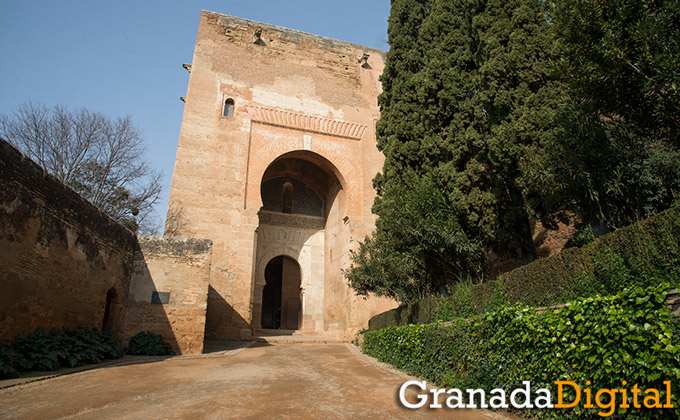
<point>264,381</point>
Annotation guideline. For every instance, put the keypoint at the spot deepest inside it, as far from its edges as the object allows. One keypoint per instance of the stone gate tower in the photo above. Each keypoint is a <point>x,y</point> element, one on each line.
<point>276,155</point>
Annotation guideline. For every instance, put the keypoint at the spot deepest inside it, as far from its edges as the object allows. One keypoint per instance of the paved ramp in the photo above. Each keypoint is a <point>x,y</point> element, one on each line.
<point>264,381</point>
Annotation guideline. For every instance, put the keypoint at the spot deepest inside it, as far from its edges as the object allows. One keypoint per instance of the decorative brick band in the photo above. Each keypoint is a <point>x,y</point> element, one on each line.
<point>306,123</point>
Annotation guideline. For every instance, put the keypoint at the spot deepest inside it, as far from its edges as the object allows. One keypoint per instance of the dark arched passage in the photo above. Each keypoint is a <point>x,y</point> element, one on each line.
<point>281,297</point>
<point>315,184</point>
<point>110,311</point>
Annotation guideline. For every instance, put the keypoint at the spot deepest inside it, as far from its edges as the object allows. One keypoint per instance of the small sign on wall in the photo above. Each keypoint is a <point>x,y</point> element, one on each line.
<point>161,298</point>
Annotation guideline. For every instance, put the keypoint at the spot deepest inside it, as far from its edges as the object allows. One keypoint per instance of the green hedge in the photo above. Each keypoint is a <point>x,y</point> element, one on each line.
<point>628,336</point>
<point>65,347</point>
<point>644,254</point>
<point>148,344</point>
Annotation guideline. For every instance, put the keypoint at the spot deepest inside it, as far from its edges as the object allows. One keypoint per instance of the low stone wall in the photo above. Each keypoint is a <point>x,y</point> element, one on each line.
<point>169,290</point>
<point>62,261</point>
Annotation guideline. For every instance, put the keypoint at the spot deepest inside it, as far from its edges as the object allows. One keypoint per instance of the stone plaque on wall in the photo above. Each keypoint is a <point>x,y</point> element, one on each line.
<point>160,297</point>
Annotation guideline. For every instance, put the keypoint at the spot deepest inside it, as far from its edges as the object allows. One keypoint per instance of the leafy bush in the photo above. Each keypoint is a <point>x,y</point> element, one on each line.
<point>461,299</point>
<point>11,362</point>
<point>583,236</point>
<point>644,254</point>
<point>420,245</point>
<point>148,344</point>
<point>603,339</point>
<point>66,347</point>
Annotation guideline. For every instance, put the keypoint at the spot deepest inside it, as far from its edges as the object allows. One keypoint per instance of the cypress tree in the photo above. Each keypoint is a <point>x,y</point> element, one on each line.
<point>473,113</point>
<point>398,130</point>
<point>467,93</point>
<point>518,96</point>
<point>486,98</point>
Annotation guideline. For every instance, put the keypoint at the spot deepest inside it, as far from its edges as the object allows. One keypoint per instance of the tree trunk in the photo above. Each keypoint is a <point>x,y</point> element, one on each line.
<point>528,247</point>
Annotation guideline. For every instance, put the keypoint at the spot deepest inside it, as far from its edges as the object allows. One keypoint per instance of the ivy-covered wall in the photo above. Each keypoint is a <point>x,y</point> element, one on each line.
<point>630,336</point>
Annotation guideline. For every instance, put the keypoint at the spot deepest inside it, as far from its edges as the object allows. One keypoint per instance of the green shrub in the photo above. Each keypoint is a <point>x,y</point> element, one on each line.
<point>421,312</point>
<point>445,310</point>
<point>11,362</point>
<point>148,344</point>
<point>499,295</point>
<point>603,339</point>
<point>65,347</point>
<point>583,236</point>
<point>644,254</point>
<point>583,285</point>
<point>461,300</point>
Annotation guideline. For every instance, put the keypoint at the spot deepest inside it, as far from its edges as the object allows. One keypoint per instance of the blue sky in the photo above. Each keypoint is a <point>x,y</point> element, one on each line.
<point>125,57</point>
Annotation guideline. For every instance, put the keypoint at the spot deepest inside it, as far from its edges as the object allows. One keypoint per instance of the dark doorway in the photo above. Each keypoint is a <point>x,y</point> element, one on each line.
<point>109,322</point>
<point>271,294</point>
<point>281,301</point>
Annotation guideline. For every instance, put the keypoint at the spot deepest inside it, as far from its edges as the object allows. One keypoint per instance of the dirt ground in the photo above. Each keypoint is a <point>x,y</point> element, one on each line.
<point>264,381</point>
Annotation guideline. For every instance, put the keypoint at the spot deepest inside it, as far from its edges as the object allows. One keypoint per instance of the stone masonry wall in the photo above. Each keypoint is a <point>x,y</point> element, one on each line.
<point>296,96</point>
<point>59,255</point>
<point>169,290</point>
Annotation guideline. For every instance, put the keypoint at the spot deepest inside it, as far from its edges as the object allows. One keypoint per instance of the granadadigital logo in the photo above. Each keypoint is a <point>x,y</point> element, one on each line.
<point>608,400</point>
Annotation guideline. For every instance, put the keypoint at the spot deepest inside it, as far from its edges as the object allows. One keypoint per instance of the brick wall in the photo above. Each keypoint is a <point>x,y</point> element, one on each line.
<point>169,290</point>
<point>59,255</point>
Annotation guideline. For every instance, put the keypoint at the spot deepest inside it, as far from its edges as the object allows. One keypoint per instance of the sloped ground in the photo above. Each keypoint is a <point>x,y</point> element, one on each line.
<point>264,381</point>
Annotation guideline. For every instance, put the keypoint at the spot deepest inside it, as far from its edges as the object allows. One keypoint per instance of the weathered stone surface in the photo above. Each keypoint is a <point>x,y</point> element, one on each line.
<point>185,247</point>
<point>298,221</point>
<point>303,108</point>
<point>180,267</point>
<point>59,255</point>
<point>61,260</point>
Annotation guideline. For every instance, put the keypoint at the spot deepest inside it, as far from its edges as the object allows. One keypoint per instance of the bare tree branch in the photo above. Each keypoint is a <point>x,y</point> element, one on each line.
<point>102,159</point>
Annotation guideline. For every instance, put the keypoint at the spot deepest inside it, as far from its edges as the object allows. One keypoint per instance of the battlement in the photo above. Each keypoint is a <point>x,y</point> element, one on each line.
<point>288,34</point>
